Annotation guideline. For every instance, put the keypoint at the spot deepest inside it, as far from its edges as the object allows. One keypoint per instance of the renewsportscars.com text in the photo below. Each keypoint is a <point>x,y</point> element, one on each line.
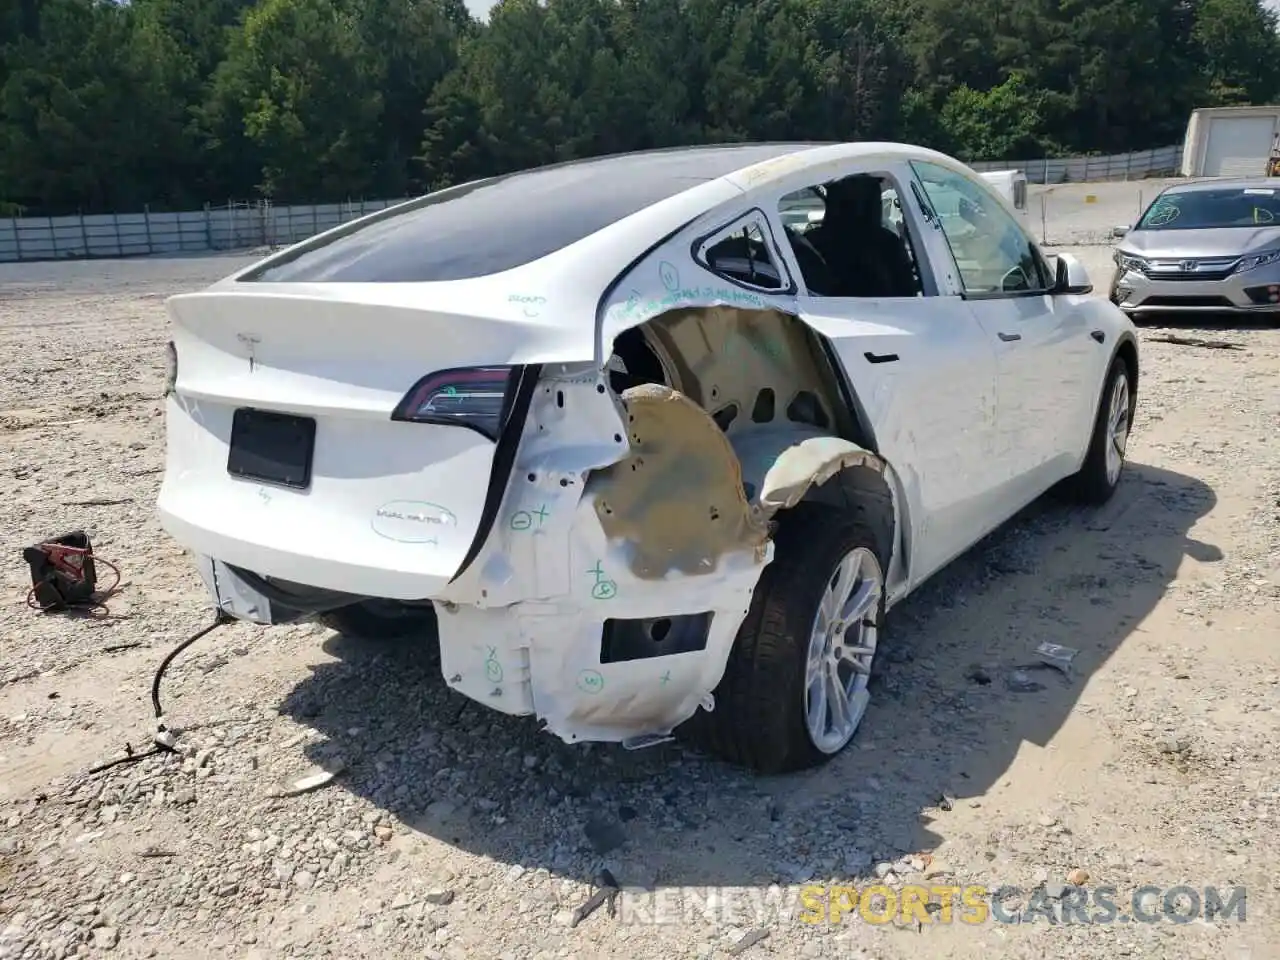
<point>936,903</point>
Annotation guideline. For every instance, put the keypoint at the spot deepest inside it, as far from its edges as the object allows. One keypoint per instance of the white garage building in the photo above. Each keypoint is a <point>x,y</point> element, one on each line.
<point>1230,141</point>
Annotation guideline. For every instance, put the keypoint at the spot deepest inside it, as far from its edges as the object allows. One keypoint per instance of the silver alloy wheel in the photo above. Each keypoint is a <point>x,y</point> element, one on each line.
<point>1117,428</point>
<point>841,647</point>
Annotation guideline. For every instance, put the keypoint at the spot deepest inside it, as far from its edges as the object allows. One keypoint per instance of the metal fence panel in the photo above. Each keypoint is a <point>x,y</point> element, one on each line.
<point>240,226</point>
<point>1138,165</point>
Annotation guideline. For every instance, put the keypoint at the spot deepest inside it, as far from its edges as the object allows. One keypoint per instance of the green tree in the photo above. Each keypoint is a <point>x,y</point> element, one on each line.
<point>1240,51</point>
<point>996,124</point>
<point>297,79</point>
<point>109,105</point>
<point>89,116</point>
<point>409,47</point>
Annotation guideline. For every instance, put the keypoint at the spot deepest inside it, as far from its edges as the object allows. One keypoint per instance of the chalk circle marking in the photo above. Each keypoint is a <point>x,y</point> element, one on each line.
<point>412,521</point>
<point>590,681</point>
<point>492,668</point>
<point>669,275</point>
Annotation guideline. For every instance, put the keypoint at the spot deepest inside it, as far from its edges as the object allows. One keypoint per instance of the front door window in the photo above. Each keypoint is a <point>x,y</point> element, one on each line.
<point>993,254</point>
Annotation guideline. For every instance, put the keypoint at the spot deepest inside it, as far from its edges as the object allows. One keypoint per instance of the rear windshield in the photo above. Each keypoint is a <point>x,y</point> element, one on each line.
<point>493,225</point>
<point>1213,209</point>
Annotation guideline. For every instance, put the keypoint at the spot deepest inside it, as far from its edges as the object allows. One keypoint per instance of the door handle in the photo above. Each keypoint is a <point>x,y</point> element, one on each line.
<point>880,357</point>
<point>1006,337</point>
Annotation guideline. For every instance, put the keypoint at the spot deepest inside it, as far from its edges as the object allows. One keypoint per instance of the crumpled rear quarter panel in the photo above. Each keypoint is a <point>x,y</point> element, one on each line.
<point>523,634</point>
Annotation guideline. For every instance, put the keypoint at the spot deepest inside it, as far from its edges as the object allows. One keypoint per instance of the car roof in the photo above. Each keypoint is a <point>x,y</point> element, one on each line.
<point>1224,183</point>
<point>486,226</point>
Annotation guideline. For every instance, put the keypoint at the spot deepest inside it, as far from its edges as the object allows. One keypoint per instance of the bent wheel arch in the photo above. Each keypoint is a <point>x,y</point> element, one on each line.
<point>784,468</point>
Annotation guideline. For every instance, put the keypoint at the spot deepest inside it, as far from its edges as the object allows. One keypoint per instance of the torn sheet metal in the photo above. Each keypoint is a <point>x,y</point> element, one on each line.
<point>523,631</point>
<point>747,367</point>
<point>809,463</point>
<point>582,538</point>
<point>574,426</point>
<point>670,279</point>
<point>236,598</point>
<point>1057,656</point>
<point>545,657</point>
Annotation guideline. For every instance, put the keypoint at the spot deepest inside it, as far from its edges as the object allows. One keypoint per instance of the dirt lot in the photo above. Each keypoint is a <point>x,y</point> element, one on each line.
<point>1074,213</point>
<point>458,833</point>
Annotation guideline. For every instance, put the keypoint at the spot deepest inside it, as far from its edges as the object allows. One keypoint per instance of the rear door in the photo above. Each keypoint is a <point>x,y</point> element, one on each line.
<point>924,373</point>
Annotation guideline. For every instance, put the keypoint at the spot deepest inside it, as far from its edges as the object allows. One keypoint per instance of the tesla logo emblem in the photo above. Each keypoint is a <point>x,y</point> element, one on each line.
<point>250,343</point>
<point>1190,266</point>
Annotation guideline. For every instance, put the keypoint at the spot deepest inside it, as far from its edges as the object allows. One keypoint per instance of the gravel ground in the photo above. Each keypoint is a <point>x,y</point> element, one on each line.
<point>1063,214</point>
<point>453,832</point>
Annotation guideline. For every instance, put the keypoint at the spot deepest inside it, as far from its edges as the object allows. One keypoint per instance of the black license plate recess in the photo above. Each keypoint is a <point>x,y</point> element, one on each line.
<point>272,447</point>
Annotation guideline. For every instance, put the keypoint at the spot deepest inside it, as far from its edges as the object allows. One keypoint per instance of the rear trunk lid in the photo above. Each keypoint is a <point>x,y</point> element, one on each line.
<point>317,483</point>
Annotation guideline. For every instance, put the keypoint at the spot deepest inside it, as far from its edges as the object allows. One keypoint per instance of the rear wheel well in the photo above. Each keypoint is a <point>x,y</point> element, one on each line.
<point>1129,354</point>
<point>744,367</point>
<point>867,496</point>
<point>762,370</point>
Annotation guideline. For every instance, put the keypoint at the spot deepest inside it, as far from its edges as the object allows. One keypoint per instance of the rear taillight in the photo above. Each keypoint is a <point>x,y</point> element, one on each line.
<point>474,397</point>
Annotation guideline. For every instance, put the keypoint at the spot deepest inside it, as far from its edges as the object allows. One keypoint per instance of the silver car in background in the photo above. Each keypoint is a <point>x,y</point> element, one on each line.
<point>1210,246</point>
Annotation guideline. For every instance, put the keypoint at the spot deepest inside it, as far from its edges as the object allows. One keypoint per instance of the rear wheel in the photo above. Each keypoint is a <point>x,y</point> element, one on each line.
<point>795,686</point>
<point>384,621</point>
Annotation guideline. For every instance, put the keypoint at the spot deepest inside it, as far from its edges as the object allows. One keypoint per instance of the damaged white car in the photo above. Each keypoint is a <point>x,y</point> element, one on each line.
<point>646,457</point>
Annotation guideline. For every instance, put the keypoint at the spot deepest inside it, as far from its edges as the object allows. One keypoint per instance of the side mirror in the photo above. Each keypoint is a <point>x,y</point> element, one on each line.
<point>1118,232</point>
<point>1073,278</point>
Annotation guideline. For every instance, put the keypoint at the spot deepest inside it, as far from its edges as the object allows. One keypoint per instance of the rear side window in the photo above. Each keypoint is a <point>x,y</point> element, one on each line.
<point>485,227</point>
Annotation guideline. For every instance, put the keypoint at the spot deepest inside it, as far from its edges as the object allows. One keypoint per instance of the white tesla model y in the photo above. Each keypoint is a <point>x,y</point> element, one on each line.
<point>648,443</point>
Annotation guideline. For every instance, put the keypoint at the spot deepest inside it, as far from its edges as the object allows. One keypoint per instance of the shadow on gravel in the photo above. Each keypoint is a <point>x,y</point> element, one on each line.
<point>1152,323</point>
<point>950,712</point>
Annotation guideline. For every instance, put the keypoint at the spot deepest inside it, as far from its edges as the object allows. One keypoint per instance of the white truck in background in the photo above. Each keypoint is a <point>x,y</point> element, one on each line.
<point>1012,185</point>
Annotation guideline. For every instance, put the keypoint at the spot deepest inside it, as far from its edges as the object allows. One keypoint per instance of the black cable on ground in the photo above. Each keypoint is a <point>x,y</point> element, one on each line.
<point>130,758</point>
<point>221,618</point>
<point>163,739</point>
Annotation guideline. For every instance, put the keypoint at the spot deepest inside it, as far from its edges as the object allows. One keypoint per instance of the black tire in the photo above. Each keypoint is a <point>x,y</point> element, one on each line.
<point>758,720</point>
<point>1092,485</point>
<point>384,621</point>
